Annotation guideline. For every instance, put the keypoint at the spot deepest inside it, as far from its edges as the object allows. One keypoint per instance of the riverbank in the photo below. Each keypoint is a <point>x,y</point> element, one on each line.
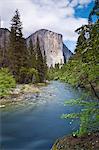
<point>88,142</point>
<point>18,94</point>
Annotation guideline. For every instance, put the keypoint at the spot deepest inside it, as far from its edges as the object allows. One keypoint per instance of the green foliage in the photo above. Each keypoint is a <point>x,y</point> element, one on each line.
<point>33,73</point>
<point>17,52</point>
<point>29,75</point>
<point>40,63</point>
<point>6,81</point>
<point>89,115</point>
<point>32,55</point>
<point>54,73</point>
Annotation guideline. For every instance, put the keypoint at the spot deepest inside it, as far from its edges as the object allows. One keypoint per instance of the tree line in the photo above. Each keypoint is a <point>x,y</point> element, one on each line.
<point>25,63</point>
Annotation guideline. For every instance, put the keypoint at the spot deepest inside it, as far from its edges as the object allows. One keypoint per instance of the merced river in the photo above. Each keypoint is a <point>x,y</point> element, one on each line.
<point>37,123</point>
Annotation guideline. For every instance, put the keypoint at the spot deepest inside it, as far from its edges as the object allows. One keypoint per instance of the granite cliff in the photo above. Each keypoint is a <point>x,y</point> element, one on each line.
<point>51,45</point>
<point>4,40</point>
<point>66,53</point>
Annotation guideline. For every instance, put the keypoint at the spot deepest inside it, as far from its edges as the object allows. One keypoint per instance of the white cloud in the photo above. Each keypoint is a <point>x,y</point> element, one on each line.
<point>49,14</point>
<point>82,3</point>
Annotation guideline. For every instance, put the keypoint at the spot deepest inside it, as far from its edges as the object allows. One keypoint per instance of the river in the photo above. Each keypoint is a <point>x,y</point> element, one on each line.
<point>37,124</point>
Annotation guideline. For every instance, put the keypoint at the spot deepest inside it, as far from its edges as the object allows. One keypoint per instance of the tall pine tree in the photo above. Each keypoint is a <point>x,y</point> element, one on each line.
<point>17,53</point>
<point>40,66</point>
<point>32,55</point>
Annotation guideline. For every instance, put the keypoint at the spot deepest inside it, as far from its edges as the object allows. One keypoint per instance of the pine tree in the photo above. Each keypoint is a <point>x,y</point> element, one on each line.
<point>83,32</point>
<point>17,53</point>
<point>93,53</point>
<point>45,66</point>
<point>32,55</point>
<point>40,63</point>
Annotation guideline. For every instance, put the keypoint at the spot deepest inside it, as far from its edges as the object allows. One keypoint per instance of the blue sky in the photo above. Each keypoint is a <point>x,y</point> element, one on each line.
<point>82,12</point>
<point>61,16</point>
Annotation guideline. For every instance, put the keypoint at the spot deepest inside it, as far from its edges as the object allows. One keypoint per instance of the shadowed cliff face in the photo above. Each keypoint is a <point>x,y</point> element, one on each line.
<point>67,53</point>
<point>51,45</point>
<point>4,38</point>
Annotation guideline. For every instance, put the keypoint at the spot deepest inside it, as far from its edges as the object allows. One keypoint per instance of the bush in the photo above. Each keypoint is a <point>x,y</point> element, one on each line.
<point>28,75</point>
<point>6,82</point>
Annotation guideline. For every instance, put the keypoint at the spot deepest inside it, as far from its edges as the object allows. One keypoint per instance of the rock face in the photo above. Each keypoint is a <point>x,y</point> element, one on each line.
<point>52,46</point>
<point>66,53</point>
<point>4,38</point>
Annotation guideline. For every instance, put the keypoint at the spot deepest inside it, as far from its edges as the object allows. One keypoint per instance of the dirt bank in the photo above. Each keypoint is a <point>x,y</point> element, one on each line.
<point>88,142</point>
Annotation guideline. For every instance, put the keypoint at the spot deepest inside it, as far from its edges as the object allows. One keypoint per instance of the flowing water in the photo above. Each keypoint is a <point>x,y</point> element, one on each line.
<point>37,123</point>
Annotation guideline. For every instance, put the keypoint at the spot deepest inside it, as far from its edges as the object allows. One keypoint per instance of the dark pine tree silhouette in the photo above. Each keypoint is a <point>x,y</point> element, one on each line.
<point>17,53</point>
<point>40,63</point>
<point>32,55</point>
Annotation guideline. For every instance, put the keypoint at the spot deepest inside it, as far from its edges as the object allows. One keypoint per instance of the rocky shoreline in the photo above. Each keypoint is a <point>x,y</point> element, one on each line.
<point>19,93</point>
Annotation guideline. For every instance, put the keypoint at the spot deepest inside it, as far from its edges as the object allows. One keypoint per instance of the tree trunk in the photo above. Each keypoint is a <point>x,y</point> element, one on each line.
<point>92,87</point>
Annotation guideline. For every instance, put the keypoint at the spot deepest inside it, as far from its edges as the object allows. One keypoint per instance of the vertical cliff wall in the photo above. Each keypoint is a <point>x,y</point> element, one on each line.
<point>67,53</point>
<point>4,38</point>
<point>51,43</point>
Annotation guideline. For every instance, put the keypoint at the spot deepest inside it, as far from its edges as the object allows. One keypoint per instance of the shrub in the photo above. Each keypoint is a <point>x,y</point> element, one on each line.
<point>28,75</point>
<point>6,81</point>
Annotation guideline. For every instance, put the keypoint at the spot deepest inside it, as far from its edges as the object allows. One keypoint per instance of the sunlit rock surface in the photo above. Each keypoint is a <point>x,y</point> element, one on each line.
<point>51,45</point>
